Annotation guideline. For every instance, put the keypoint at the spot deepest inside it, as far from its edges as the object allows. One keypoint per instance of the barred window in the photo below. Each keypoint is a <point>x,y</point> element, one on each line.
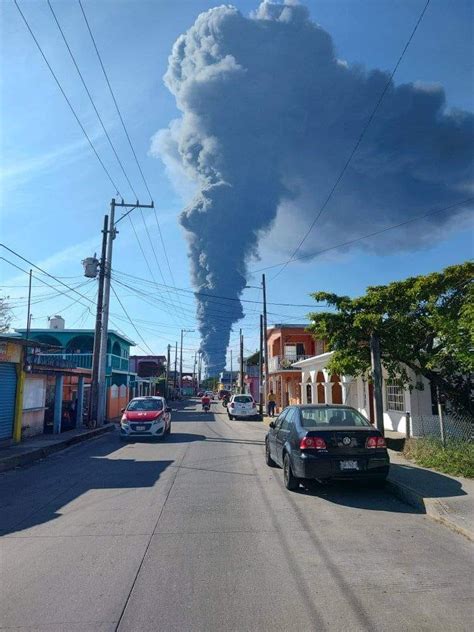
<point>395,397</point>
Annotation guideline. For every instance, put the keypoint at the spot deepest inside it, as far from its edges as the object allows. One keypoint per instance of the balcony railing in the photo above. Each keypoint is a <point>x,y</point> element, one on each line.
<point>83,360</point>
<point>285,363</point>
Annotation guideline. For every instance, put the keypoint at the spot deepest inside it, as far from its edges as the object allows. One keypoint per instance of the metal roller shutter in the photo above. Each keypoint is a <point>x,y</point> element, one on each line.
<point>7,399</point>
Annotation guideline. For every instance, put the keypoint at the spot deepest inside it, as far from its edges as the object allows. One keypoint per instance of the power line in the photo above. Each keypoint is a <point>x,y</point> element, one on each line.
<point>358,142</point>
<point>377,232</point>
<point>92,101</point>
<point>112,94</point>
<point>131,321</point>
<point>114,99</point>
<point>218,296</point>
<point>67,99</point>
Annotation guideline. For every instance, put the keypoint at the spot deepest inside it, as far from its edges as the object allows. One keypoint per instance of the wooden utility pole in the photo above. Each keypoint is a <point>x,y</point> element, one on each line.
<point>175,364</point>
<point>242,389</point>
<point>260,369</point>
<point>265,339</point>
<point>94,393</point>
<point>376,363</point>
<point>167,383</point>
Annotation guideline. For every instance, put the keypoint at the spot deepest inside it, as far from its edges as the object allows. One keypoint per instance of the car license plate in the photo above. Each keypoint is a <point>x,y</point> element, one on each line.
<point>348,465</point>
<point>138,428</point>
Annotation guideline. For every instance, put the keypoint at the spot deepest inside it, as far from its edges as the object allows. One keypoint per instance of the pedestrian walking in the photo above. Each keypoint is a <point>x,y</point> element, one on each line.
<point>271,404</point>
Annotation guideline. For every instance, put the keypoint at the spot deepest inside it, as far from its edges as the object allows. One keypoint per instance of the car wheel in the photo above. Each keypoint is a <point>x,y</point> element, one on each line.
<point>268,459</point>
<point>168,431</point>
<point>291,482</point>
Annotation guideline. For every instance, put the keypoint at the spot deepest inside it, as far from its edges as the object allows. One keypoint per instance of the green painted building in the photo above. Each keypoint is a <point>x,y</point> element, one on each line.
<point>76,346</point>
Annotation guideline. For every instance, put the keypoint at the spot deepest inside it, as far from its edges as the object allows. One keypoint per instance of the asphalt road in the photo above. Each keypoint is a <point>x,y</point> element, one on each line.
<point>197,534</point>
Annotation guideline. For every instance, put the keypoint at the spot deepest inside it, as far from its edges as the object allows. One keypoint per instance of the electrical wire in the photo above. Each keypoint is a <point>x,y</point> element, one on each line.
<point>358,142</point>
<point>92,101</point>
<point>377,232</point>
<point>67,99</point>
<point>130,320</point>
<point>217,296</point>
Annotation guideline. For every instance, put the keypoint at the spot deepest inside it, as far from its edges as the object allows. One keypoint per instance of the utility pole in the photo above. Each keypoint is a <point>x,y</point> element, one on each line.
<point>265,339</point>
<point>181,365</point>
<point>376,363</point>
<point>231,374</point>
<point>194,371</point>
<point>242,390</point>
<point>198,385</point>
<point>175,365</point>
<point>94,394</point>
<point>167,383</point>
<point>183,331</point>
<point>260,369</point>
<point>112,232</point>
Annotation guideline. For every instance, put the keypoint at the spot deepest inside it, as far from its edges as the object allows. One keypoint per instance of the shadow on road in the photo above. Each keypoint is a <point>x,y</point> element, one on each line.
<point>37,495</point>
<point>174,437</point>
<point>356,494</point>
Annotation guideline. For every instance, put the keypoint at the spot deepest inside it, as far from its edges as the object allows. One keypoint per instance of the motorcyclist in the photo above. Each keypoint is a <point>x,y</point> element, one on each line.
<point>205,401</point>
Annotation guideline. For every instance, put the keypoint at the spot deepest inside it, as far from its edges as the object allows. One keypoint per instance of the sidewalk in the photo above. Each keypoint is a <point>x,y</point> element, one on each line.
<point>41,446</point>
<point>446,499</point>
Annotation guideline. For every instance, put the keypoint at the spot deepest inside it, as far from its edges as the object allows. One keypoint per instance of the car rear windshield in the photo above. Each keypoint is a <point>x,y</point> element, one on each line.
<point>242,399</point>
<point>321,417</point>
<point>145,404</point>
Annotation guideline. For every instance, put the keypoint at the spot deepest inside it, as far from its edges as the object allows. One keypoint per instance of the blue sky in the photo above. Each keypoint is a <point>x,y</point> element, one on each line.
<point>54,193</point>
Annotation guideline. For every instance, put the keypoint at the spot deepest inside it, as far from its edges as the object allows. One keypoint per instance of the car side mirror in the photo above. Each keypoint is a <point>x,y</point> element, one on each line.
<point>272,424</point>
<point>122,410</point>
<point>168,410</point>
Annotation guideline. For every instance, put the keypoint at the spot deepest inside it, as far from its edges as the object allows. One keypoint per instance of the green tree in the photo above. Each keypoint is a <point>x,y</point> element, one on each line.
<point>5,315</point>
<point>425,323</point>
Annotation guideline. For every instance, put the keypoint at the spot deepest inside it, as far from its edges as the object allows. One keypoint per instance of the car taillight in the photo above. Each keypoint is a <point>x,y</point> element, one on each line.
<point>254,405</point>
<point>316,443</point>
<point>375,442</point>
<point>124,419</point>
<point>232,405</point>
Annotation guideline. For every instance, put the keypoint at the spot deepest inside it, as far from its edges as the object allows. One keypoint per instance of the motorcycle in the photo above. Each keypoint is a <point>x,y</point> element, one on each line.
<point>225,401</point>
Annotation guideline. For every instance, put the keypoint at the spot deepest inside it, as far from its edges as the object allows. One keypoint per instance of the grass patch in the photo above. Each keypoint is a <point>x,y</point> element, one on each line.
<point>457,458</point>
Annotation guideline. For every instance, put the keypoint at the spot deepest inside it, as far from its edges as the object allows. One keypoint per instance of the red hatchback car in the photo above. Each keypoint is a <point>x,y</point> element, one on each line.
<point>145,417</point>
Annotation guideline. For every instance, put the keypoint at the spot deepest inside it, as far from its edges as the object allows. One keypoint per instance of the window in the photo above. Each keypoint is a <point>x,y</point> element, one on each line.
<point>243,399</point>
<point>145,404</point>
<point>280,419</point>
<point>290,352</point>
<point>331,416</point>
<point>395,397</point>
<point>288,419</point>
<point>309,394</point>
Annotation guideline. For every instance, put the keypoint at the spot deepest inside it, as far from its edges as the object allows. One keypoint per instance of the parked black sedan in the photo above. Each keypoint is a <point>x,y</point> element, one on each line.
<point>324,442</point>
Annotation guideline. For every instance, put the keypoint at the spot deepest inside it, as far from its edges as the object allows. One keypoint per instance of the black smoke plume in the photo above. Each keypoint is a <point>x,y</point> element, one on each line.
<point>269,117</point>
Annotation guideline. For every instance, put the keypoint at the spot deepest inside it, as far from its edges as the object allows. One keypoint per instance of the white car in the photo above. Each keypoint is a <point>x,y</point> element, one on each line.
<point>242,406</point>
<point>145,417</point>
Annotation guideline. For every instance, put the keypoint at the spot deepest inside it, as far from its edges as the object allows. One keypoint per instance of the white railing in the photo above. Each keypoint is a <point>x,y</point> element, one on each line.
<point>285,363</point>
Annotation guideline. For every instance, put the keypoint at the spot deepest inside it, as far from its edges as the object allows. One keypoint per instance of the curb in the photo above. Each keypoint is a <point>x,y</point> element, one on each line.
<point>432,507</point>
<point>17,460</point>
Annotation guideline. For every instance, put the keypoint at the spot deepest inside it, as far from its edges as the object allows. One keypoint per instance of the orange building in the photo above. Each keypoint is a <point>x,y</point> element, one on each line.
<point>288,344</point>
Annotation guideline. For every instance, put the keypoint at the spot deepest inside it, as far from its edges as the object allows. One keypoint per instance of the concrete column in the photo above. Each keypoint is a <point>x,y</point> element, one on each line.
<point>58,403</point>
<point>80,401</point>
<point>327,392</point>
<point>346,381</point>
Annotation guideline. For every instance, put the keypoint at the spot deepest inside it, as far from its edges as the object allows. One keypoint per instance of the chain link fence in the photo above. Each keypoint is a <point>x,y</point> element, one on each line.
<point>454,426</point>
